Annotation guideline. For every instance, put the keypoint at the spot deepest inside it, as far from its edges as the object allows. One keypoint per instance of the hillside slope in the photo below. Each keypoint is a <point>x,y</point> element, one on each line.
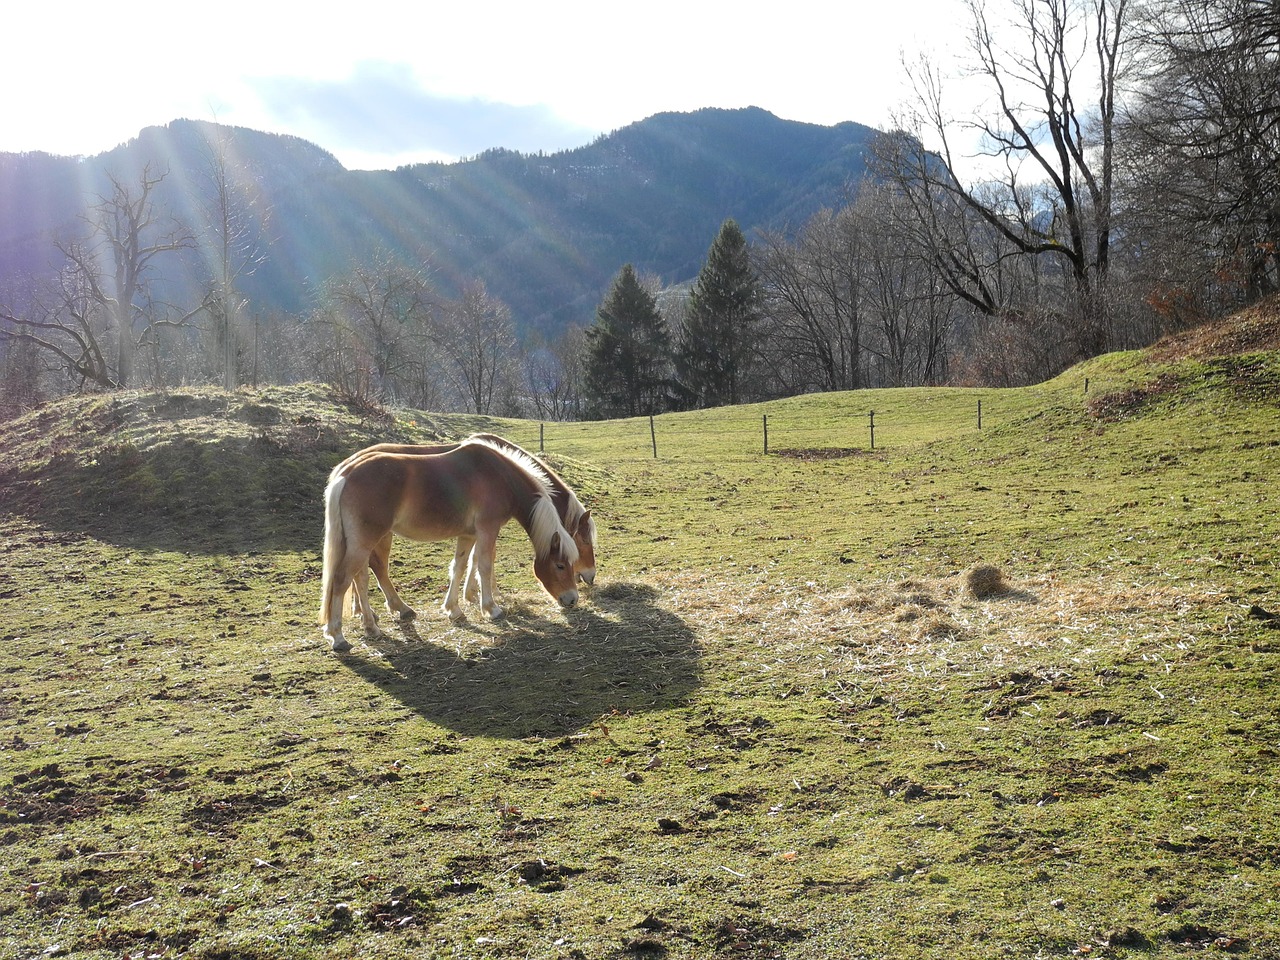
<point>1250,330</point>
<point>202,468</point>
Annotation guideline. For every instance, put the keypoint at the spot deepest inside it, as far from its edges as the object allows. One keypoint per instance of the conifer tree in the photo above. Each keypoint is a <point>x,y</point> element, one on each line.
<point>628,351</point>
<point>717,343</point>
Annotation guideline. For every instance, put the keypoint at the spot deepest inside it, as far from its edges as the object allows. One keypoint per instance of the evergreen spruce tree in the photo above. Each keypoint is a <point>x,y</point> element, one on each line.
<point>628,352</point>
<point>716,347</point>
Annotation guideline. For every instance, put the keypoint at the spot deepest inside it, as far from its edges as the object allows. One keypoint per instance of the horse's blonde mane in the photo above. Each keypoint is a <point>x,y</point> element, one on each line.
<point>544,521</point>
<point>574,511</point>
<point>525,461</point>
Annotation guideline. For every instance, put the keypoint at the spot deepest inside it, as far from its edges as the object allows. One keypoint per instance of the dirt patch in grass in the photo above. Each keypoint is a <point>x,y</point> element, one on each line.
<point>44,796</point>
<point>1120,404</point>
<point>1253,379</point>
<point>813,454</point>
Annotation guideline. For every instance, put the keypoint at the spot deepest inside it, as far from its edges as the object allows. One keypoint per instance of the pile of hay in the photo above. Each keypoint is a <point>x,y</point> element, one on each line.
<point>985,581</point>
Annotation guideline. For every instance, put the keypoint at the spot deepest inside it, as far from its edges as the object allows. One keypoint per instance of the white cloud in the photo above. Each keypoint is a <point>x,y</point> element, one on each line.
<point>384,79</point>
<point>382,112</point>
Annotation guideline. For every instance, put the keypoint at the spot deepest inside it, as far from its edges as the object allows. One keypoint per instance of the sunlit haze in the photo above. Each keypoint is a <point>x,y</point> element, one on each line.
<point>380,84</point>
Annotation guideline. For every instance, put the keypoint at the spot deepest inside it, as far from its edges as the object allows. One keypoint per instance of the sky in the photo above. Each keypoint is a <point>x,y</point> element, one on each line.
<point>380,84</point>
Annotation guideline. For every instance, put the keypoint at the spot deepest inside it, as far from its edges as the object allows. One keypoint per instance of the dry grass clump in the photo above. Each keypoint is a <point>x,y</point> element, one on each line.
<point>908,613</point>
<point>938,625</point>
<point>985,581</point>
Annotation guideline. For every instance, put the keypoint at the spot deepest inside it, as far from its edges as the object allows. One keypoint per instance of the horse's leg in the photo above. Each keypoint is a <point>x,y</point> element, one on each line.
<point>345,574</point>
<point>360,587</point>
<point>379,563</point>
<point>356,601</point>
<point>473,580</point>
<point>457,571</point>
<point>337,604</point>
<point>482,560</point>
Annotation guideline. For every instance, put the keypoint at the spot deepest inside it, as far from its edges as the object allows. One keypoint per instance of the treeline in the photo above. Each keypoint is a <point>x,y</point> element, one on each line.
<point>1130,185</point>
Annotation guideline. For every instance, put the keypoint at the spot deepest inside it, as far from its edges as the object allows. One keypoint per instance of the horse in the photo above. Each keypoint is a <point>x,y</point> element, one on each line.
<point>468,493</point>
<point>575,518</point>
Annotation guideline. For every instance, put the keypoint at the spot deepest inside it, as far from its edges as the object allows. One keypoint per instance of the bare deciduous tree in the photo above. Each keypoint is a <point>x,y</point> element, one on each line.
<point>852,301</point>
<point>68,325</point>
<point>389,306</point>
<point>21,375</point>
<point>1201,151</point>
<point>554,375</point>
<point>478,339</point>
<point>1052,75</point>
<point>99,304</point>
<point>815,296</point>
<point>908,311</point>
<point>337,354</point>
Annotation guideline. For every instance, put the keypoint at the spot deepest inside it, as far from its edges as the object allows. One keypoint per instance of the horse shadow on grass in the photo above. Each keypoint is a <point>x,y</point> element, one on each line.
<point>540,676</point>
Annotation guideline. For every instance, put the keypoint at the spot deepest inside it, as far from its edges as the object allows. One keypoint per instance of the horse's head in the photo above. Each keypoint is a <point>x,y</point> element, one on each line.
<point>585,539</point>
<point>556,571</point>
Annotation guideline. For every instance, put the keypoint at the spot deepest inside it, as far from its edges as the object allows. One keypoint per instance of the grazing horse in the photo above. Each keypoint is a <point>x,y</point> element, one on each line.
<point>575,518</point>
<point>468,493</point>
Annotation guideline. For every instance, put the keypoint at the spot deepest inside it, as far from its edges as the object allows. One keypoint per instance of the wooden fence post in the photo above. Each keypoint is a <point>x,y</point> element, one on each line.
<point>766,434</point>
<point>653,437</point>
<point>872,416</point>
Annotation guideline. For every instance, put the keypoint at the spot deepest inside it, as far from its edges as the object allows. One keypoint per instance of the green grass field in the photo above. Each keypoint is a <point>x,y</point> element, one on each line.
<point>784,722</point>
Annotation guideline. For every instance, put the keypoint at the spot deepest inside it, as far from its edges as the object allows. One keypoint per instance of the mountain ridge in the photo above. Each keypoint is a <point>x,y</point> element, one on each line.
<point>545,232</point>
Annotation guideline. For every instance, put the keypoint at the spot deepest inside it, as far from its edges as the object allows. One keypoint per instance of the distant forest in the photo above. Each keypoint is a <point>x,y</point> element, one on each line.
<point>1140,196</point>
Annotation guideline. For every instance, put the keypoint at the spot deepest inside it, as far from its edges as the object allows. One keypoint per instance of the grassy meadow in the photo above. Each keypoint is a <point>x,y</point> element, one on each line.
<point>794,717</point>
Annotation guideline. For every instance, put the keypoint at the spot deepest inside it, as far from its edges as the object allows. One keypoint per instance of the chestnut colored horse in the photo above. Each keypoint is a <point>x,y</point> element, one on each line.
<point>468,493</point>
<point>576,519</point>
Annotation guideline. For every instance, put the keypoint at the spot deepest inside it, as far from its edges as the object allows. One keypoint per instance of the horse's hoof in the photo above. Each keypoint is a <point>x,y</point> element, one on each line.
<point>408,614</point>
<point>455,614</point>
<point>496,612</point>
<point>338,644</point>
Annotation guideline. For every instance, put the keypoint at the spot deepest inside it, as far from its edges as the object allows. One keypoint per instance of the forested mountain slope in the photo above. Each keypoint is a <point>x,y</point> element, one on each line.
<point>545,233</point>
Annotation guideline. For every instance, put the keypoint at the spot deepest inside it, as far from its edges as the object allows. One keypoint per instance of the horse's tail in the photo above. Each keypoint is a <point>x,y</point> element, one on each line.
<point>335,543</point>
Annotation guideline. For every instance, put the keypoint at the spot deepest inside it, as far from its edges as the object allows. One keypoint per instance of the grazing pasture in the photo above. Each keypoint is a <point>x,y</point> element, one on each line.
<point>794,717</point>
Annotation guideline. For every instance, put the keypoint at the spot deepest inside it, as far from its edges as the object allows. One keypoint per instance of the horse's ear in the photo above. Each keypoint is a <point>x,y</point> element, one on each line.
<point>555,542</point>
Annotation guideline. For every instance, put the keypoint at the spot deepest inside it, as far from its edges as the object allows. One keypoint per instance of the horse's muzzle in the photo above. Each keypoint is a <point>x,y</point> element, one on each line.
<point>587,576</point>
<point>569,599</point>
